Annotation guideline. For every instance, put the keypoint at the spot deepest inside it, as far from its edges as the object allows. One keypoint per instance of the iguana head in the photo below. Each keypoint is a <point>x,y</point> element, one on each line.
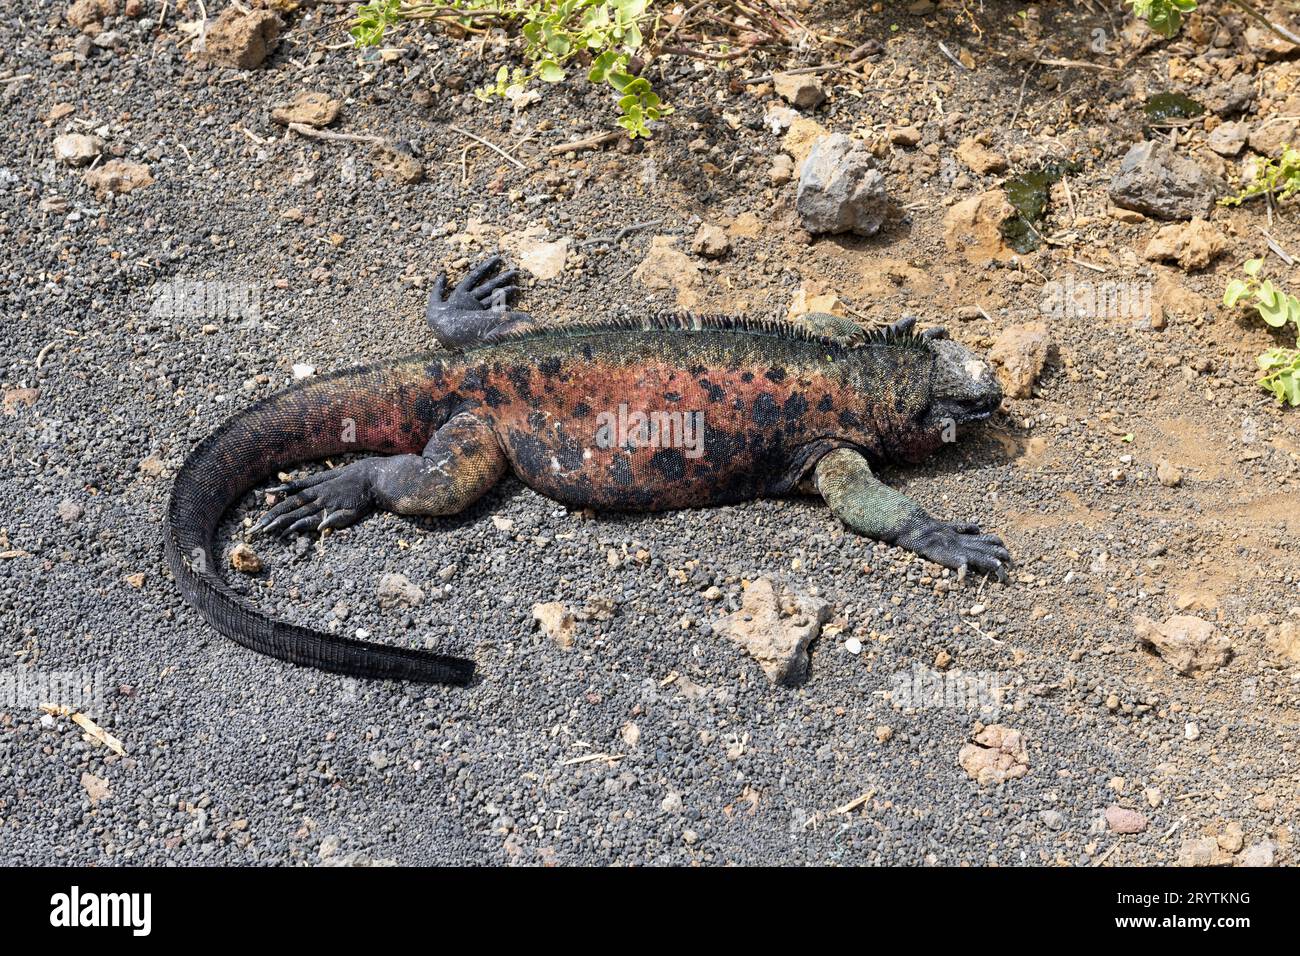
<point>964,386</point>
<point>963,389</point>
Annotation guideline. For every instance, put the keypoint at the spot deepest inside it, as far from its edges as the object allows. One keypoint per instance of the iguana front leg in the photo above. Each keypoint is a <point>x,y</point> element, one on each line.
<point>476,307</point>
<point>459,464</point>
<point>831,326</point>
<point>871,507</point>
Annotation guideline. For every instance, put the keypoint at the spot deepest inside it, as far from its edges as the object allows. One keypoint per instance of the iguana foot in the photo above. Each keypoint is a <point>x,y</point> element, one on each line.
<point>329,499</point>
<point>908,322</point>
<point>957,545</point>
<point>478,290</point>
<point>476,307</point>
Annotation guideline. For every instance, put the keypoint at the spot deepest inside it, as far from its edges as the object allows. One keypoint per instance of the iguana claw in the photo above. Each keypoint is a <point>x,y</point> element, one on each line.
<point>958,545</point>
<point>908,322</point>
<point>328,499</point>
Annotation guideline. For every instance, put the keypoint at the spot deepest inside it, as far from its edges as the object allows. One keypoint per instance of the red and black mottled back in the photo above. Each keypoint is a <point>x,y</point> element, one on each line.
<point>732,408</point>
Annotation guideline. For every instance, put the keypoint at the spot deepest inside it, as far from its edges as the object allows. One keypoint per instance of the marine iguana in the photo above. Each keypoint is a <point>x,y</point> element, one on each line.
<point>782,407</point>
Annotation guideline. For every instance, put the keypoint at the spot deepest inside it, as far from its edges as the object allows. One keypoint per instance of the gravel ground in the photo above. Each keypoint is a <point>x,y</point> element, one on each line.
<point>232,758</point>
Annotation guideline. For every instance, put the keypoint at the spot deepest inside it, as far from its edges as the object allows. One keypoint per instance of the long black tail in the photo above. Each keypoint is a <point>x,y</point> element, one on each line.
<point>382,409</point>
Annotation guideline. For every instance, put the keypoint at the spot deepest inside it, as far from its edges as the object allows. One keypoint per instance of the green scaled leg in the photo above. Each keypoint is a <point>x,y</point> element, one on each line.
<point>871,507</point>
<point>835,327</point>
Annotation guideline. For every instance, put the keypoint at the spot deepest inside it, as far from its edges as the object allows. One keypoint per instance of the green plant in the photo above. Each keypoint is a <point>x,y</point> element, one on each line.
<point>1281,368</point>
<point>1166,16</point>
<point>607,34</point>
<point>1162,16</point>
<point>1280,365</point>
<point>1279,178</point>
<point>372,19</point>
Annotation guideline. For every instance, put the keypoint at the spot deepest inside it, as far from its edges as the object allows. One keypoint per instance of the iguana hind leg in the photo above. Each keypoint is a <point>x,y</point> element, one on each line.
<point>461,461</point>
<point>872,508</point>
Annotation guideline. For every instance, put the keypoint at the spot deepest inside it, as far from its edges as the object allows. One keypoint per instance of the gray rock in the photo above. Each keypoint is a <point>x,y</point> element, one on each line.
<point>1233,97</point>
<point>77,149</point>
<point>1227,139</point>
<point>840,189</point>
<point>782,170</point>
<point>1155,181</point>
<point>711,242</point>
<point>395,589</point>
<point>1270,136</point>
<point>1188,644</point>
<point>779,118</point>
<point>1125,820</point>
<point>1259,854</point>
<point>802,91</point>
<point>776,627</point>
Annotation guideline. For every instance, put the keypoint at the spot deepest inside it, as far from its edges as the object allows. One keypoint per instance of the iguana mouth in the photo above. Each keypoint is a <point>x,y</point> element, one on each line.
<point>977,409</point>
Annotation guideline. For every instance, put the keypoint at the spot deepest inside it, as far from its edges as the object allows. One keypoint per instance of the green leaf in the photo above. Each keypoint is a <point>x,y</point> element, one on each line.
<point>1233,293</point>
<point>1271,305</point>
<point>1267,361</point>
<point>372,19</point>
<point>1252,266</point>
<point>601,66</point>
<point>552,32</point>
<point>1281,368</point>
<point>1291,389</point>
<point>1162,16</point>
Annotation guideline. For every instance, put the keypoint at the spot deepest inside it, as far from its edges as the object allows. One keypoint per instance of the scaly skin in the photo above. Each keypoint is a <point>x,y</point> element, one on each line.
<point>748,410</point>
